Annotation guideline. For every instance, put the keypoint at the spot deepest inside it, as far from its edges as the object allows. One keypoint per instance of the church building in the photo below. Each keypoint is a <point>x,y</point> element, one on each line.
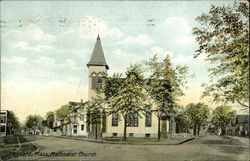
<point>145,126</point>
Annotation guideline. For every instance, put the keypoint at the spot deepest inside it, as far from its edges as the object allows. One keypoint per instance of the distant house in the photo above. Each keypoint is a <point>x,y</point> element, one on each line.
<point>3,122</point>
<point>76,126</point>
<point>239,126</point>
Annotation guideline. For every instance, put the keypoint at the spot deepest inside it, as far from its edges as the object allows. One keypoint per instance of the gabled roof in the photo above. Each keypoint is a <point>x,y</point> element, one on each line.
<point>240,119</point>
<point>97,57</point>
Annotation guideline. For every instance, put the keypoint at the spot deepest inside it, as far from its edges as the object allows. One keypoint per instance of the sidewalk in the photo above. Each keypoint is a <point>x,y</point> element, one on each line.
<point>243,140</point>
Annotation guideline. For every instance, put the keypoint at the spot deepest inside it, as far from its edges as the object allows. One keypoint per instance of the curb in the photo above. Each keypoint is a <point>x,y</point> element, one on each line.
<point>128,143</point>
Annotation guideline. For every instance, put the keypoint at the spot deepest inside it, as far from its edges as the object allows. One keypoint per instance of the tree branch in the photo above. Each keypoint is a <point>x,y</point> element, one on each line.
<point>242,104</point>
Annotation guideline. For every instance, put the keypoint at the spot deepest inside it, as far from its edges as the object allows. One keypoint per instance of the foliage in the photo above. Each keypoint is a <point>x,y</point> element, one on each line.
<point>63,112</point>
<point>222,115</point>
<point>182,119</point>
<point>13,121</point>
<point>96,110</point>
<point>223,35</point>
<point>111,85</point>
<point>34,122</point>
<point>198,114</point>
<point>50,119</point>
<point>164,85</point>
<point>130,97</point>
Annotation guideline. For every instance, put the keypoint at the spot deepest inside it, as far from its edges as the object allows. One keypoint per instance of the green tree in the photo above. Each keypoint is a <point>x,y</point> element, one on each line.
<point>34,122</point>
<point>50,119</point>
<point>198,114</point>
<point>67,114</point>
<point>223,35</point>
<point>222,115</point>
<point>130,97</point>
<point>94,113</point>
<point>13,123</point>
<point>182,120</point>
<point>164,85</point>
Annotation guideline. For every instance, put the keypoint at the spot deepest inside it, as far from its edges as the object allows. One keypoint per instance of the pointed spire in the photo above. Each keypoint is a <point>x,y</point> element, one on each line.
<point>97,57</point>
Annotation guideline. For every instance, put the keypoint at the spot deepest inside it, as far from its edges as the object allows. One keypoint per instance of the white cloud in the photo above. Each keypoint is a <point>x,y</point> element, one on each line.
<point>179,24</point>
<point>47,61</point>
<point>120,60</point>
<point>51,62</point>
<point>15,60</point>
<point>68,64</point>
<point>179,29</point>
<point>189,59</point>
<point>34,32</point>
<point>25,46</point>
<point>30,33</point>
<point>161,52</point>
<point>141,39</point>
<point>91,26</point>
<point>187,39</point>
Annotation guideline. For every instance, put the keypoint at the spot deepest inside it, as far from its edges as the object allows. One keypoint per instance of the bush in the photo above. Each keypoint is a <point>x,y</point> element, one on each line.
<point>13,139</point>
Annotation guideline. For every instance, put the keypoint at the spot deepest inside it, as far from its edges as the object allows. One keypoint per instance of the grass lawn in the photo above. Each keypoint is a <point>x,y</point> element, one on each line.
<point>10,144</point>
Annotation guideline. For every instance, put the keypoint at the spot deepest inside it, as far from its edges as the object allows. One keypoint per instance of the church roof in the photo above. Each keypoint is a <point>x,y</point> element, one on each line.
<point>97,57</point>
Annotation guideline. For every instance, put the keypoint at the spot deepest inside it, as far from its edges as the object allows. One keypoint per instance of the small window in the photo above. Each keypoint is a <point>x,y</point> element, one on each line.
<point>82,127</point>
<point>3,119</point>
<point>75,129</point>
<point>114,134</point>
<point>114,119</point>
<point>2,128</point>
<point>82,117</point>
<point>147,135</point>
<point>131,134</point>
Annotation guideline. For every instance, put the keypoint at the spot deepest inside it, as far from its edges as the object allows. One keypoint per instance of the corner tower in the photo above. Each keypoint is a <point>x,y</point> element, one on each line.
<point>97,66</point>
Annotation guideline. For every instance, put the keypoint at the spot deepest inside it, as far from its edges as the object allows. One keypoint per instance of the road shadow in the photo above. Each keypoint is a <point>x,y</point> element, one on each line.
<point>221,140</point>
<point>226,145</point>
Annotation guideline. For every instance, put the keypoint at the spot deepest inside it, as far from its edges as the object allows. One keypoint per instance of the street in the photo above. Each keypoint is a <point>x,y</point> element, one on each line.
<point>208,148</point>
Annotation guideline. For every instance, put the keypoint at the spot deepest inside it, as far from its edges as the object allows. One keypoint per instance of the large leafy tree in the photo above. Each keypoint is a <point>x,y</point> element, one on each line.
<point>34,122</point>
<point>198,114</point>
<point>13,123</point>
<point>96,110</point>
<point>50,119</point>
<point>223,35</point>
<point>164,85</point>
<point>94,114</point>
<point>221,117</point>
<point>130,96</point>
<point>182,120</point>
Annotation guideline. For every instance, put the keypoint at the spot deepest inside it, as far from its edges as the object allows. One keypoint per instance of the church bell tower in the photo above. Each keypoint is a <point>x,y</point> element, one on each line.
<point>97,66</point>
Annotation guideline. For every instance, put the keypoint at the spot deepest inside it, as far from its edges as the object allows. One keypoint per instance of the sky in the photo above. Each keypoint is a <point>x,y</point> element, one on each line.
<point>45,46</point>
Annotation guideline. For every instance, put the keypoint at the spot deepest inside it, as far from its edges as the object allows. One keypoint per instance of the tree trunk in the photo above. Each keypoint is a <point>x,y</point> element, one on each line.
<point>95,131</point>
<point>194,129</point>
<point>159,128</point>
<point>125,129</point>
<point>199,126</point>
<point>170,127</point>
